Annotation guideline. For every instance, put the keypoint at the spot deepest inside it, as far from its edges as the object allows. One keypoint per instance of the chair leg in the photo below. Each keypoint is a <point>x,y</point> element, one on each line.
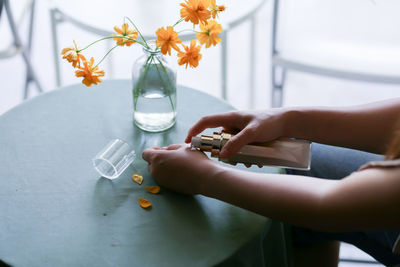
<point>1,6</point>
<point>224,58</point>
<point>252,61</point>
<point>109,45</point>
<point>278,77</point>
<point>31,75</point>
<point>54,20</point>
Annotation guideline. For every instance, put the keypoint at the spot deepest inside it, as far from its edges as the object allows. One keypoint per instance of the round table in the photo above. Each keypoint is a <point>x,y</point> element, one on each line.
<point>57,211</point>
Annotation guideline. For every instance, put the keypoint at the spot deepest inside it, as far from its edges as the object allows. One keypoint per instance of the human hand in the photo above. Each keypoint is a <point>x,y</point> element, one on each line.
<point>179,168</point>
<point>251,126</point>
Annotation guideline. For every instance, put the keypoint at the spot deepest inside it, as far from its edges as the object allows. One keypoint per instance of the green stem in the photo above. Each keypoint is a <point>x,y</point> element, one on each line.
<point>144,40</point>
<point>105,38</point>
<point>171,85</point>
<point>186,30</point>
<point>179,21</point>
<point>141,79</point>
<point>109,51</point>
<point>110,37</point>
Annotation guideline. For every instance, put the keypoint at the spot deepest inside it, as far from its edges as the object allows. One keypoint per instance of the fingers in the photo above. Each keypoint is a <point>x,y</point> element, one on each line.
<point>149,153</point>
<point>174,147</point>
<point>230,130</point>
<point>238,141</point>
<point>226,120</point>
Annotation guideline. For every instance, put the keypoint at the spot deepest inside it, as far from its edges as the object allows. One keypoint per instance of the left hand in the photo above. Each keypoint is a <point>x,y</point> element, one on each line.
<point>179,168</point>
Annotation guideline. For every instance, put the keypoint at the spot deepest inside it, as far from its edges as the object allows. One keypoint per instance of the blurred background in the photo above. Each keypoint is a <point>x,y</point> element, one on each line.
<point>313,52</point>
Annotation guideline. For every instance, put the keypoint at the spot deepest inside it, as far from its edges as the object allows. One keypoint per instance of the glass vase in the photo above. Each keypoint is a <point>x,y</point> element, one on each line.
<point>154,91</point>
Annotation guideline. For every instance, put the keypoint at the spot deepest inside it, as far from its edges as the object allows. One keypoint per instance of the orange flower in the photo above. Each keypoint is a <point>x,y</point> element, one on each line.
<point>167,38</point>
<point>209,33</point>
<point>215,9</point>
<point>191,56</point>
<point>196,11</point>
<point>128,34</point>
<point>91,75</point>
<point>71,54</point>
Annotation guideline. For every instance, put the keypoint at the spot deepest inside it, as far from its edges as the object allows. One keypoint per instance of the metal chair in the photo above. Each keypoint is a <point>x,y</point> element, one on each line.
<point>281,64</point>
<point>17,46</point>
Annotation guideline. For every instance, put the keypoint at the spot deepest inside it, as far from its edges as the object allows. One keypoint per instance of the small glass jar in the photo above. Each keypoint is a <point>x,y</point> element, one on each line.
<point>154,91</point>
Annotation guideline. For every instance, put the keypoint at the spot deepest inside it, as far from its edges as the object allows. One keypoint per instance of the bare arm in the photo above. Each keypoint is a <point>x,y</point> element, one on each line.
<point>365,127</point>
<point>368,199</point>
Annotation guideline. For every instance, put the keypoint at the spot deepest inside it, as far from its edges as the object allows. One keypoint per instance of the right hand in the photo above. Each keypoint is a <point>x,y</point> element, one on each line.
<point>179,168</point>
<point>250,127</point>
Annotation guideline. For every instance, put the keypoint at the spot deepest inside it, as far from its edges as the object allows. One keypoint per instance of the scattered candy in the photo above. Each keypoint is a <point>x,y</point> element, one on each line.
<point>144,203</point>
<point>153,189</point>
<point>138,178</point>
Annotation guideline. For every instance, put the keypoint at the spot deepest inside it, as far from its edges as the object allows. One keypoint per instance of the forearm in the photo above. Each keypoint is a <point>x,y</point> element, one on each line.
<point>289,198</point>
<point>364,200</point>
<point>365,127</point>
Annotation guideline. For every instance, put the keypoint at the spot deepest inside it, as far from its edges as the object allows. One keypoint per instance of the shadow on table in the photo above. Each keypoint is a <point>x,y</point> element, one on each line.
<point>272,248</point>
<point>3,264</point>
<point>187,208</point>
<point>109,195</point>
<point>143,140</point>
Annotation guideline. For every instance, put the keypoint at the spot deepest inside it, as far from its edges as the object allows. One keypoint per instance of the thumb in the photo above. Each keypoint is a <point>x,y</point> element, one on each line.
<point>149,153</point>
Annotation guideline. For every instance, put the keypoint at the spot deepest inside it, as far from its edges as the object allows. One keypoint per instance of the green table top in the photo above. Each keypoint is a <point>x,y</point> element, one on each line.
<point>57,211</point>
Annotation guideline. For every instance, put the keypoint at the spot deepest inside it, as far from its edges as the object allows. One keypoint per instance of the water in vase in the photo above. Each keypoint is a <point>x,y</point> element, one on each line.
<point>154,110</point>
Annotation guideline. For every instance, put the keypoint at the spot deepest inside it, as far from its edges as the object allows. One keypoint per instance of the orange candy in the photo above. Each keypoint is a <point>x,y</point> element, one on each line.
<point>153,189</point>
<point>144,203</point>
<point>138,178</point>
